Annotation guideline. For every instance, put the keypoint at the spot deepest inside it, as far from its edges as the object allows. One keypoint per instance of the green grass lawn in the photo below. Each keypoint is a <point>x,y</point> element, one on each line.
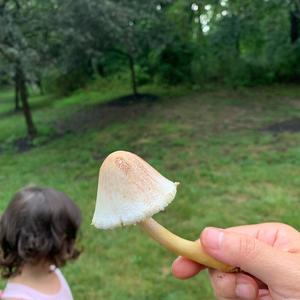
<point>231,171</point>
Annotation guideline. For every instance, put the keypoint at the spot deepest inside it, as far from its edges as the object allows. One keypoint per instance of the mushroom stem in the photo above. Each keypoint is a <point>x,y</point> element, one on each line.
<point>189,249</point>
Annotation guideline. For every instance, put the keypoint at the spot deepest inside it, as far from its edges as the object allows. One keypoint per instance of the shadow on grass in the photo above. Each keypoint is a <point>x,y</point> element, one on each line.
<point>292,125</point>
<point>96,116</point>
<point>133,99</point>
<point>100,115</point>
<point>45,102</point>
<point>10,113</point>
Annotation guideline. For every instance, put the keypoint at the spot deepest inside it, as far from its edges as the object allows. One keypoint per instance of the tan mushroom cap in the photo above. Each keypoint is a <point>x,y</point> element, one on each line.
<point>129,190</point>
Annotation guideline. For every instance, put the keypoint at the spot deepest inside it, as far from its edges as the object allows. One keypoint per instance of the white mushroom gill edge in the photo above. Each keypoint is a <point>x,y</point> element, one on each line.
<point>144,213</point>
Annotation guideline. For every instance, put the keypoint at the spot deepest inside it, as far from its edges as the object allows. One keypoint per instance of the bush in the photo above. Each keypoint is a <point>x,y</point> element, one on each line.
<point>172,63</point>
<point>242,73</point>
<point>65,83</point>
<point>287,63</point>
<point>142,75</point>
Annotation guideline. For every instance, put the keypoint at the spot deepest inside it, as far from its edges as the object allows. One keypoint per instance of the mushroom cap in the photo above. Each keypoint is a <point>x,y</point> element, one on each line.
<point>129,190</point>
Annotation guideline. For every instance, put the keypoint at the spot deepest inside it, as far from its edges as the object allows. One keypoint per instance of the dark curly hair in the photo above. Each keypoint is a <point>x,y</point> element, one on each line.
<point>39,224</point>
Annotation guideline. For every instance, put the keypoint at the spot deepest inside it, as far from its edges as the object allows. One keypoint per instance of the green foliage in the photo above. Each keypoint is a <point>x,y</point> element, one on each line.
<point>287,64</point>
<point>142,75</point>
<point>172,63</point>
<point>64,84</point>
<point>248,74</point>
<point>233,42</point>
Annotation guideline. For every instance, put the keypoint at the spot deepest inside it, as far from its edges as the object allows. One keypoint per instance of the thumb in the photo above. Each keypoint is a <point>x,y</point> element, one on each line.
<point>251,255</point>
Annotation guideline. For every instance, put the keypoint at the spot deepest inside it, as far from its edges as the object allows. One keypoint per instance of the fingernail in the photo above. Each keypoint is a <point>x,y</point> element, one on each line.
<point>177,259</point>
<point>263,292</point>
<point>212,238</point>
<point>245,291</point>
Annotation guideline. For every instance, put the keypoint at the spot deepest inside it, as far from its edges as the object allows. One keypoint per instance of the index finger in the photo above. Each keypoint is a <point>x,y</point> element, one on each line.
<point>184,268</point>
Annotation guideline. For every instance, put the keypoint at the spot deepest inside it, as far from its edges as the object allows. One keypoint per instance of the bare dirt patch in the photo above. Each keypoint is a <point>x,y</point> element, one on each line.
<point>99,116</point>
<point>292,125</point>
<point>92,117</point>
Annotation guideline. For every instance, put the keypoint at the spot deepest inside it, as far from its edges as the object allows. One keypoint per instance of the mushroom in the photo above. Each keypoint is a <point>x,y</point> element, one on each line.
<point>130,191</point>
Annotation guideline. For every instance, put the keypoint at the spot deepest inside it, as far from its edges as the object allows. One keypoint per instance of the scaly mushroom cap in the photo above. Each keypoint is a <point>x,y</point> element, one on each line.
<point>129,190</point>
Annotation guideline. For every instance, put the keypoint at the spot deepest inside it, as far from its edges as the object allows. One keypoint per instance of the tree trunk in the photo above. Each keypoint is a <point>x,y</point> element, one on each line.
<point>133,76</point>
<point>31,129</point>
<point>294,27</point>
<point>17,91</point>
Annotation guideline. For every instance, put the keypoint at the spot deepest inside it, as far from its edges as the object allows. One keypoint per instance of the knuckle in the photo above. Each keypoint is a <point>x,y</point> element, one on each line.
<point>248,247</point>
<point>217,278</point>
<point>287,228</point>
<point>223,285</point>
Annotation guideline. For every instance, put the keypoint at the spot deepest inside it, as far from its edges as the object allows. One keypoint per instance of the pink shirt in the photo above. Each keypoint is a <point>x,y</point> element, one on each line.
<point>24,292</point>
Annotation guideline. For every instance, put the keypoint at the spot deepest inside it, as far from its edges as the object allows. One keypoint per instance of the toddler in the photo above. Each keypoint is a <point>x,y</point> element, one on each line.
<point>37,236</point>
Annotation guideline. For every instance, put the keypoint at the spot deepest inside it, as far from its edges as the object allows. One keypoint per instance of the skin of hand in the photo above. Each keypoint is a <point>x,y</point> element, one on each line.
<point>268,255</point>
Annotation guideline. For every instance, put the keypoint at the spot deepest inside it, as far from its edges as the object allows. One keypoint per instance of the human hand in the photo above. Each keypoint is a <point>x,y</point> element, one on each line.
<point>268,254</point>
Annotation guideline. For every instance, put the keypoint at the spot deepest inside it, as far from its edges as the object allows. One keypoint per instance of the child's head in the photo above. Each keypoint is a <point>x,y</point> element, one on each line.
<point>39,225</point>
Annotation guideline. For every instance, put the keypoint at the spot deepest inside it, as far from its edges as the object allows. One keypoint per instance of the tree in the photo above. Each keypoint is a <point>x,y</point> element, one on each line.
<point>14,48</point>
<point>24,26</point>
<point>94,29</point>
